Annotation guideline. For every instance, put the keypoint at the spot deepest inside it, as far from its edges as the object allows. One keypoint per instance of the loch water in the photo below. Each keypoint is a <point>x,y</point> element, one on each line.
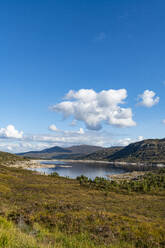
<point>74,169</point>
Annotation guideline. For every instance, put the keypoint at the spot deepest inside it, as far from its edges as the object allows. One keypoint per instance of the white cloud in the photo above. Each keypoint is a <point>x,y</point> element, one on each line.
<point>163,121</point>
<point>64,138</point>
<point>140,138</point>
<point>96,108</point>
<point>123,142</point>
<point>127,141</point>
<point>81,131</point>
<point>61,138</point>
<point>69,138</point>
<point>53,128</point>
<point>23,146</point>
<point>10,132</point>
<point>148,98</point>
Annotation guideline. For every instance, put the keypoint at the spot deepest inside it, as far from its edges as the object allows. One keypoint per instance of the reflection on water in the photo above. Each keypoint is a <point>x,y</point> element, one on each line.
<point>72,170</point>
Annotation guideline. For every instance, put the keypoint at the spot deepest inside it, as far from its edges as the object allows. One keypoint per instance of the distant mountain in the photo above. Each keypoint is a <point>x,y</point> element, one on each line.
<point>55,149</point>
<point>57,152</point>
<point>151,150</point>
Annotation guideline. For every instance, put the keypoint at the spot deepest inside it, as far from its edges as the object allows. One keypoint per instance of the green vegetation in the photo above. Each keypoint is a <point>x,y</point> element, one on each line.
<point>150,182</point>
<point>103,153</point>
<point>54,212</point>
<point>38,237</point>
<point>13,237</point>
<point>8,158</point>
<point>54,174</point>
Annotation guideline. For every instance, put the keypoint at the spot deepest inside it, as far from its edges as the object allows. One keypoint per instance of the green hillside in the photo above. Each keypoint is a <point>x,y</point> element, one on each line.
<point>8,158</point>
<point>151,150</point>
<point>103,153</point>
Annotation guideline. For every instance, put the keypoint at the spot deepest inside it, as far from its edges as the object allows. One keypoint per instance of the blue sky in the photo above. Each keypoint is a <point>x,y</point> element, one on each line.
<point>48,48</point>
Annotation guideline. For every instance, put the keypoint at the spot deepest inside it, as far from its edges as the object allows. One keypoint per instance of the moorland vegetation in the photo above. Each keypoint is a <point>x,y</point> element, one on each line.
<point>50,211</point>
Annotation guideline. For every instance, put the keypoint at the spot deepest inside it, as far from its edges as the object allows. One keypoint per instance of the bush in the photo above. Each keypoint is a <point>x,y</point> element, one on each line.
<point>54,174</point>
<point>151,182</point>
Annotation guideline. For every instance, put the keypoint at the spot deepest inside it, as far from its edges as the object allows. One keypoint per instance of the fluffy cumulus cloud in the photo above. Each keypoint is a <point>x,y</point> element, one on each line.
<point>10,132</point>
<point>163,121</point>
<point>94,108</point>
<point>53,128</point>
<point>148,98</point>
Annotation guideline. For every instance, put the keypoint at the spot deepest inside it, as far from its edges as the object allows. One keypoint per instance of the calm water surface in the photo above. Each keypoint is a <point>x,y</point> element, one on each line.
<point>72,170</point>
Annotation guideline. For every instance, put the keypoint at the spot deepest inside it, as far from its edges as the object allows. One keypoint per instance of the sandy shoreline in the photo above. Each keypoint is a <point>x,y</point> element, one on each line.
<point>31,164</point>
<point>41,163</point>
<point>134,175</point>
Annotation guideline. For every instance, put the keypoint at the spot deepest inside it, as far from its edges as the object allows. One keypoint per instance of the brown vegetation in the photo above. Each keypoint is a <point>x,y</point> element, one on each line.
<point>78,216</point>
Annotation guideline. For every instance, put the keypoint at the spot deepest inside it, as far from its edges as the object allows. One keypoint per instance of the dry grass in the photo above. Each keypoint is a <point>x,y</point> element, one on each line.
<point>58,212</point>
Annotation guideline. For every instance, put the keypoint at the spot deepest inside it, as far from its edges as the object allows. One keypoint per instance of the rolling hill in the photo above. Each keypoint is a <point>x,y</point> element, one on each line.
<point>6,158</point>
<point>150,150</point>
<point>103,153</point>
<point>57,152</point>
